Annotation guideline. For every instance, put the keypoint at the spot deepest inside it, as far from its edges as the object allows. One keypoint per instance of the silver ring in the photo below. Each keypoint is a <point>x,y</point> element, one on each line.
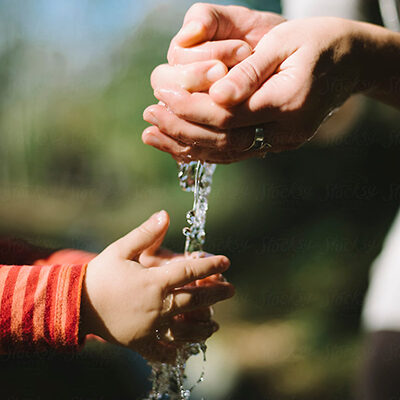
<point>259,142</point>
<point>169,337</point>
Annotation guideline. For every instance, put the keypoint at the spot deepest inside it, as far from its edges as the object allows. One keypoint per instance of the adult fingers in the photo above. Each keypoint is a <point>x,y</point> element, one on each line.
<point>154,137</point>
<point>195,107</point>
<point>182,130</point>
<point>202,136</point>
<point>246,77</point>
<point>180,153</point>
<point>200,108</point>
<point>149,233</point>
<point>198,135</point>
<point>183,272</point>
<point>195,77</point>
<point>230,52</point>
<point>203,22</point>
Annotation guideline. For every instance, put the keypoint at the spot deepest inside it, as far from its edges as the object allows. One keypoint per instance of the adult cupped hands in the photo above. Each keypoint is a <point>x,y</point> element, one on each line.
<point>284,76</point>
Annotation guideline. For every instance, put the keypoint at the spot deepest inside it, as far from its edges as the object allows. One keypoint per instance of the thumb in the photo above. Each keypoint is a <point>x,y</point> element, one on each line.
<point>247,76</point>
<point>150,233</point>
<point>203,22</point>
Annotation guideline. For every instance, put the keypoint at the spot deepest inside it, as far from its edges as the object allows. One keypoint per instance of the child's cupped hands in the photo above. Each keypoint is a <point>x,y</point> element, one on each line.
<point>149,299</point>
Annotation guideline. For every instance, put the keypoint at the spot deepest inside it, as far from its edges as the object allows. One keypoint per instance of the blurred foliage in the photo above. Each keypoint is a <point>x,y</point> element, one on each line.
<point>301,228</point>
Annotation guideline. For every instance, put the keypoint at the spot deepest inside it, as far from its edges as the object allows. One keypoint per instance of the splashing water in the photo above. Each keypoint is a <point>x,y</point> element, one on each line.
<point>197,178</point>
<point>168,380</point>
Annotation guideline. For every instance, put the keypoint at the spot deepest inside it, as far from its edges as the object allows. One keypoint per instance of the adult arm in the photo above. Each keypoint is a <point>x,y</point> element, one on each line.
<point>299,72</point>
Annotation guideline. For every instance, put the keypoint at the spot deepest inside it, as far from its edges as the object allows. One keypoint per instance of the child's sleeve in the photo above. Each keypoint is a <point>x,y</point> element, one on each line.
<point>40,307</point>
<point>40,303</point>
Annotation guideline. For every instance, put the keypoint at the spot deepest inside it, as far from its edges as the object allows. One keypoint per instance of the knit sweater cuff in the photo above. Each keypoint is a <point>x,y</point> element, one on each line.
<point>40,307</point>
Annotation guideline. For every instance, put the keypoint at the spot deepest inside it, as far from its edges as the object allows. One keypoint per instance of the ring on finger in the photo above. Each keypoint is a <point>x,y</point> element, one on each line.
<point>259,142</point>
<point>169,337</point>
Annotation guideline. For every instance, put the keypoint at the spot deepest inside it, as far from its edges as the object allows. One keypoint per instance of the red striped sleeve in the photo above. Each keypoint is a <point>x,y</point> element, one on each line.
<point>72,318</point>
<point>49,310</point>
<point>29,304</point>
<point>40,307</point>
<point>6,305</point>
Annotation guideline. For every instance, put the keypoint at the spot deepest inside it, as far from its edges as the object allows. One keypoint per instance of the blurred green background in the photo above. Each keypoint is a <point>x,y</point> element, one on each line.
<point>301,228</point>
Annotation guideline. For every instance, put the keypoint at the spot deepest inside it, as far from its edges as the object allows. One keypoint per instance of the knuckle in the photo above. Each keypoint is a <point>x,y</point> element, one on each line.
<point>189,78</point>
<point>214,53</point>
<point>190,272</point>
<point>143,230</point>
<point>250,72</point>
<point>177,106</point>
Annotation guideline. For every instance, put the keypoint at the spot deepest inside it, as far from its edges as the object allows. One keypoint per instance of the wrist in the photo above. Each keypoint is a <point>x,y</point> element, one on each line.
<point>88,314</point>
<point>377,59</point>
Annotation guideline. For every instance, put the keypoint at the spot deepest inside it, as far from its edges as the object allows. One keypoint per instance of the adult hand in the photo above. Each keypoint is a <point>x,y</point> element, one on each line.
<point>133,305</point>
<point>225,33</point>
<point>299,72</point>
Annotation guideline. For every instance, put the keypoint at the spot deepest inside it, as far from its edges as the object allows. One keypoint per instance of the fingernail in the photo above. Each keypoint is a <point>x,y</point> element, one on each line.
<point>150,117</point>
<point>218,71</point>
<point>223,91</point>
<point>190,31</point>
<point>159,217</point>
<point>225,262</point>
<point>152,140</point>
<point>243,52</point>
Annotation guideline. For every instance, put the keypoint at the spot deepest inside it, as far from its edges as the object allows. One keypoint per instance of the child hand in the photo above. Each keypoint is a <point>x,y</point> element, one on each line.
<point>132,305</point>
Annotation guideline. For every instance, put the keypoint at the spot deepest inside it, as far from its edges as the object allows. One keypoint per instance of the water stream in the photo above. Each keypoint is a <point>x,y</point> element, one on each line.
<point>168,380</point>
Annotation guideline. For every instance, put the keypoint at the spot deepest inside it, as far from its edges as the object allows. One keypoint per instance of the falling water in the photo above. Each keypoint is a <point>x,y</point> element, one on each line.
<point>168,380</point>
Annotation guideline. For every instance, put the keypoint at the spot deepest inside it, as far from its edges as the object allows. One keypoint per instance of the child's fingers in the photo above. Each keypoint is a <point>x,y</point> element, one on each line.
<point>158,257</point>
<point>149,233</point>
<point>200,315</point>
<point>183,272</point>
<point>195,77</point>
<point>195,297</point>
<point>187,331</point>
